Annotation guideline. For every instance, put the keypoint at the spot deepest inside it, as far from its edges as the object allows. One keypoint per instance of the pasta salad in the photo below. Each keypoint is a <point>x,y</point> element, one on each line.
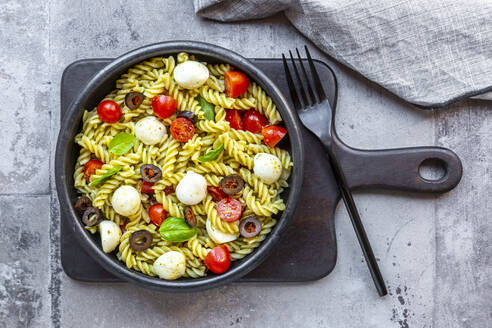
<point>179,170</point>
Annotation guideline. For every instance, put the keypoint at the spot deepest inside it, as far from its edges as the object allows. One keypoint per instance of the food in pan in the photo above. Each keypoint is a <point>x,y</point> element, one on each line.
<point>179,170</point>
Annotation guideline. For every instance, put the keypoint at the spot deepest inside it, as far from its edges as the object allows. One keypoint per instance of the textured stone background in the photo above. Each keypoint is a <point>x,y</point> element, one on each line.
<point>434,251</point>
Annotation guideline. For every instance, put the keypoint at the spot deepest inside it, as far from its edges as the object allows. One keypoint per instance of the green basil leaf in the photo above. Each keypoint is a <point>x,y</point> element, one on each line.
<point>105,176</point>
<point>121,143</point>
<point>211,155</point>
<point>207,108</point>
<point>176,230</point>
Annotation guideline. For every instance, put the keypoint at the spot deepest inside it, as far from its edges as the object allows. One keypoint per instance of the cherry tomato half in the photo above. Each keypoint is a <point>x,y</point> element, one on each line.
<point>157,214</point>
<point>229,209</point>
<point>182,129</point>
<point>253,121</point>
<point>91,167</point>
<point>218,260</point>
<point>164,106</point>
<point>236,83</point>
<point>273,134</point>
<point>109,111</point>
<point>234,119</point>
<point>216,193</point>
<point>147,187</point>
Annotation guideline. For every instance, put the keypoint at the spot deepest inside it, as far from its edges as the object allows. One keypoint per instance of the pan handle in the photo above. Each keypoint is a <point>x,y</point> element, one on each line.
<point>398,169</point>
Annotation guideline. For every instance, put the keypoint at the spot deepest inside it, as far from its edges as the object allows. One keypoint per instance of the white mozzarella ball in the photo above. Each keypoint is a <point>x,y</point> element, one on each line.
<point>218,236</point>
<point>126,200</point>
<point>192,189</point>
<point>191,74</point>
<point>267,167</point>
<point>110,235</point>
<point>170,265</point>
<point>150,130</point>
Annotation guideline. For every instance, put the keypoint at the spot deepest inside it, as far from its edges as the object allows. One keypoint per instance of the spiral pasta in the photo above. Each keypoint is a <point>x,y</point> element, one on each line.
<point>218,70</point>
<point>175,159</point>
<point>217,98</point>
<point>171,158</point>
<point>234,150</point>
<point>214,83</point>
<point>197,248</point>
<point>265,103</point>
<point>213,127</point>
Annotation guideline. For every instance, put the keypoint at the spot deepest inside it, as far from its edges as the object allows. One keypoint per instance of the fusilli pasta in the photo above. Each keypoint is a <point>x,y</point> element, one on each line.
<point>175,159</point>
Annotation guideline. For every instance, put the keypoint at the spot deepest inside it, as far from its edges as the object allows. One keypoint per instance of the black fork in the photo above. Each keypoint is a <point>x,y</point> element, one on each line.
<point>316,115</point>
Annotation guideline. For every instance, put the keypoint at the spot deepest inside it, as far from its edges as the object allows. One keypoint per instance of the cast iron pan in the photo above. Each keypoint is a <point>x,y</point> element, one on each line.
<point>101,84</point>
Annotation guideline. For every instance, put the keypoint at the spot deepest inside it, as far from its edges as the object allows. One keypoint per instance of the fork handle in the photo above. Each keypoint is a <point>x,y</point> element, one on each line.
<point>357,224</point>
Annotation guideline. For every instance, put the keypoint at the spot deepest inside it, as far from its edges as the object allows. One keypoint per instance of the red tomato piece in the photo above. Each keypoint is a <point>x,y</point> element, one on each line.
<point>109,111</point>
<point>216,193</point>
<point>234,118</point>
<point>157,214</point>
<point>168,190</point>
<point>236,83</point>
<point>164,106</point>
<point>182,129</point>
<point>91,167</point>
<point>218,260</point>
<point>229,209</point>
<point>147,187</point>
<point>273,134</point>
<point>253,121</point>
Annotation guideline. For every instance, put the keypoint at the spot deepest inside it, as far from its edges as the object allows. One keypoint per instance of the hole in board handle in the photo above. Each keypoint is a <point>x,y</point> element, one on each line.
<point>433,169</point>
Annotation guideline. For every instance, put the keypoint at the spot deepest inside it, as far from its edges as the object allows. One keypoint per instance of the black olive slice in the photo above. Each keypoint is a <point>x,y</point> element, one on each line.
<point>134,99</point>
<point>150,173</point>
<point>189,217</point>
<point>140,240</point>
<point>92,216</point>
<point>82,204</point>
<point>232,184</point>
<point>189,115</point>
<point>249,227</point>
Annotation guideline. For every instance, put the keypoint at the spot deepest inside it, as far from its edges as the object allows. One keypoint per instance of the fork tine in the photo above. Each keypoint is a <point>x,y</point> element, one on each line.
<point>310,89</point>
<point>317,82</point>
<point>299,81</point>
<point>290,83</point>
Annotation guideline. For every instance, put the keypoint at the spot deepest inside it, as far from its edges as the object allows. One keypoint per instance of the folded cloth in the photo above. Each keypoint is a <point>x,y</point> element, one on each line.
<point>430,53</point>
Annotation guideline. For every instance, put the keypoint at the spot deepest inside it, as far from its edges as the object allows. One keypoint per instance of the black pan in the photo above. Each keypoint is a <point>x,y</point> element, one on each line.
<point>67,152</point>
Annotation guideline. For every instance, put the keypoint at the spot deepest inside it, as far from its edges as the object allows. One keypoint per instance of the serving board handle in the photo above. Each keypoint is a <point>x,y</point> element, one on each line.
<point>398,169</point>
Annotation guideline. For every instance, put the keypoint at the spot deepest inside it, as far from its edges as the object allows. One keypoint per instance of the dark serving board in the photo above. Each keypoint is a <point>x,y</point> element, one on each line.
<point>307,250</point>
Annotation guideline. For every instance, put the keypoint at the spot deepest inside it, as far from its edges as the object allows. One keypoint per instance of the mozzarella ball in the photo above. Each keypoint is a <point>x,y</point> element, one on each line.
<point>110,235</point>
<point>191,74</point>
<point>150,130</point>
<point>218,236</point>
<point>267,167</point>
<point>192,189</point>
<point>126,200</point>
<point>170,265</point>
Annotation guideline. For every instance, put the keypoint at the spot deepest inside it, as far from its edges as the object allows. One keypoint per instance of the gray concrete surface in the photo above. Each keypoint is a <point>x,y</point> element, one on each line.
<point>434,251</point>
